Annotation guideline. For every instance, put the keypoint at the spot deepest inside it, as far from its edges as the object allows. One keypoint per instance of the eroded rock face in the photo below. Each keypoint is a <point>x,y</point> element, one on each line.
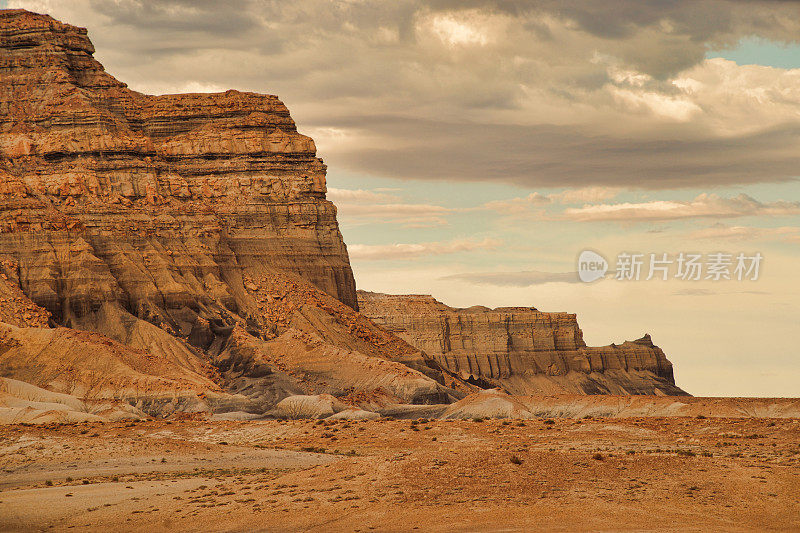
<point>521,349</point>
<point>158,203</point>
<point>16,308</point>
<point>190,228</point>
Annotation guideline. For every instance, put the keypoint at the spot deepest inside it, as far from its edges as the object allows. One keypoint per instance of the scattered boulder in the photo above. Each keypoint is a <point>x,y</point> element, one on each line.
<point>309,406</point>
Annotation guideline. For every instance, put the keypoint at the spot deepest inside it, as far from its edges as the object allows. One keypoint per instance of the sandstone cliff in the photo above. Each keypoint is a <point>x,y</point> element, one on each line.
<point>191,227</point>
<point>520,349</point>
<point>153,201</point>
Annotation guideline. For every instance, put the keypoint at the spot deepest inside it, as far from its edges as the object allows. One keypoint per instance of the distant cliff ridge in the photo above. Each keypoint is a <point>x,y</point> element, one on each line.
<point>521,349</point>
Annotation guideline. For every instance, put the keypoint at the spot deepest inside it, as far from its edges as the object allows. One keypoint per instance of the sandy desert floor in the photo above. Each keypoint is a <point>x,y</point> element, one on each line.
<point>652,474</point>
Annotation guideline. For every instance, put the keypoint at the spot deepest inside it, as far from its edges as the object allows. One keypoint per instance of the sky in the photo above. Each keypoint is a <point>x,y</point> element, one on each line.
<point>475,148</point>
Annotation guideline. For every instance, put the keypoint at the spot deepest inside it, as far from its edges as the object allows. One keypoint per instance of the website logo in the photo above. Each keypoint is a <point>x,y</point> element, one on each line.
<point>591,266</point>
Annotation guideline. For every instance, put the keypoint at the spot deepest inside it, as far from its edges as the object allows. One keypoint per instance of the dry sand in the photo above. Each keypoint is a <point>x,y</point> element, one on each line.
<point>651,474</point>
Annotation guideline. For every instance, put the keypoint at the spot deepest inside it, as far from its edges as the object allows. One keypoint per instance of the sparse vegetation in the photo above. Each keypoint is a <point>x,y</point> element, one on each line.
<point>313,449</point>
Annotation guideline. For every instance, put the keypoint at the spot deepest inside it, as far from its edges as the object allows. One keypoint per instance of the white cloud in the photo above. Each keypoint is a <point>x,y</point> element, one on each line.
<point>704,206</point>
<point>666,106</point>
<point>738,99</point>
<point>406,215</point>
<point>393,210</point>
<point>365,252</point>
<point>522,205</point>
<point>453,31</point>
<point>378,207</point>
<point>359,195</point>
<point>585,194</point>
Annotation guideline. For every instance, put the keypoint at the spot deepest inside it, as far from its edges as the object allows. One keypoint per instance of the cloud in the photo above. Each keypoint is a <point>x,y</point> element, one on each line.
<point>540,94</point>
<point>462,29</point>
<point>709,292</point>
<point>359,195</point>
<point>394,210</point>
<point>583,195</point>
<point>747,233</point>
<point>525,278</point>
<point>704,206</point>
<point>518,205</point>
<point>364,252</point>
<point>570,196</point>
<point>555,155</point>
<point>378,207</point>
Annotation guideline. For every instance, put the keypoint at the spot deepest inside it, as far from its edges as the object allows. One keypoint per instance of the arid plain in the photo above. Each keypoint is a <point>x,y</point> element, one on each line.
<point>560,474</point>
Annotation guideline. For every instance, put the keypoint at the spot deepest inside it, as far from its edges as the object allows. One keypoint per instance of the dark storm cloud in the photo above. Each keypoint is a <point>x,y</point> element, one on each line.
<point>180,16</point>
<point>561,156</point>
<point>563,93</point>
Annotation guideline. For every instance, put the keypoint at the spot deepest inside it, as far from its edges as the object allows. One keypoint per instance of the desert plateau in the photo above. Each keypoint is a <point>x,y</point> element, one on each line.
<point>187,343</point>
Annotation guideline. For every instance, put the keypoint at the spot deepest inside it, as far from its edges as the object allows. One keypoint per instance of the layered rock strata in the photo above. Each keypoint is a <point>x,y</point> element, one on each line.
<point>521,349</point>
<point>190,227</point>
<point>155,202</point>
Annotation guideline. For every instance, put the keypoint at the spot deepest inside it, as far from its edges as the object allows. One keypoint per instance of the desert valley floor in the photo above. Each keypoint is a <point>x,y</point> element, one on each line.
<point>183,346</point>
<point>561,474</point>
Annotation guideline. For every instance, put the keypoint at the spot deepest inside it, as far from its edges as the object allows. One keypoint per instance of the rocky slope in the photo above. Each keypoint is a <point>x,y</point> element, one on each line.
<point>521,349</point>
<point>191,227</point>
